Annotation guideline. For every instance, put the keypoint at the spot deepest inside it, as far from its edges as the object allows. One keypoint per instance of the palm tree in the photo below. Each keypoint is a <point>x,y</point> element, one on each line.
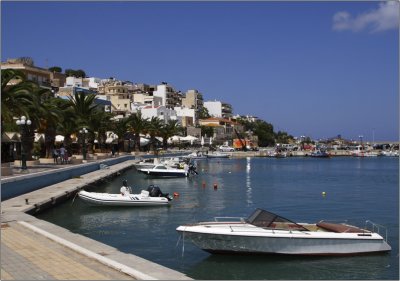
<point>137,125</point>
<point>83,107</point>
<point>120,128</point>
<point>16,95</point>
<point>168,130</point>
<point>99,122</point>
<point>154,129</point>
<point>50,115</point>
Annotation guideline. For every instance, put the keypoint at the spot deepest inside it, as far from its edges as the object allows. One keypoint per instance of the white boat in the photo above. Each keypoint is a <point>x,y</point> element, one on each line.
<point>217,155</point>
<point>197,155</point>
<point>266,233</point>
<point>146,163</point>
<point>361,151</point>
<point>162,170</point>
<point>108,199</point>
<point>389,153</point>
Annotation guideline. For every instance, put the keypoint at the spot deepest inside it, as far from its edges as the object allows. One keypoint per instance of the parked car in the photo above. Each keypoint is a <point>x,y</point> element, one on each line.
<point>226,148</point>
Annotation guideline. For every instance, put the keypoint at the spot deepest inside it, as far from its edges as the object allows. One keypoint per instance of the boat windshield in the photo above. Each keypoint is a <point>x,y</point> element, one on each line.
<point>262,218</point>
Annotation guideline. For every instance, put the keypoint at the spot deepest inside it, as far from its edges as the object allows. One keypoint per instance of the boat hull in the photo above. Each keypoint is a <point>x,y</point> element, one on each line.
<point>288,244</point>
<point>137,200</point>
<point>164,174</point>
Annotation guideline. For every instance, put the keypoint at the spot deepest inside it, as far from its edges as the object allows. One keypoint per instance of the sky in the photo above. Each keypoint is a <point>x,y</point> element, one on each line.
<point>317,69</point>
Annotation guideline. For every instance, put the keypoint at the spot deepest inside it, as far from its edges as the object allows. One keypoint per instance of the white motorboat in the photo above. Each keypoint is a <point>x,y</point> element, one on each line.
<point>108,199</point>
<point>266,233</point>
<point>197,155</point>
<point>161,170</point>
<point>361,151</point>
<point>217,155</point>
<point>146,163</point>
<point>389,153</point>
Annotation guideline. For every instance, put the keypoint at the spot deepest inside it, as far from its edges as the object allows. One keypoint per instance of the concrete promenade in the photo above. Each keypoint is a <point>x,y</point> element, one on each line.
<point>33,249</point>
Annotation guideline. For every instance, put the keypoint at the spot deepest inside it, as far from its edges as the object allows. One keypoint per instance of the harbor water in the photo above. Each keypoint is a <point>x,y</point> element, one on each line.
<point>300,189</point>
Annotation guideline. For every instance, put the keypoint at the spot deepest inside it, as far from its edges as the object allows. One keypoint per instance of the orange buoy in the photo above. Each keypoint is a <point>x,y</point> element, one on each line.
<point>176,194</point>
<point>203,184</point>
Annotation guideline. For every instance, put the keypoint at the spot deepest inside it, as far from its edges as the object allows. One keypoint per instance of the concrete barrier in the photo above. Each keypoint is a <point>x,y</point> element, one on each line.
<point>18,185</point>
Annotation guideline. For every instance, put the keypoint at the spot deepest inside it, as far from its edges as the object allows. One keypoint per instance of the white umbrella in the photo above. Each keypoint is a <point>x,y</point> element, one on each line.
<point>59,138</point>
<point>202,141</point>
<point>144,141</point>
<point>189,138</point>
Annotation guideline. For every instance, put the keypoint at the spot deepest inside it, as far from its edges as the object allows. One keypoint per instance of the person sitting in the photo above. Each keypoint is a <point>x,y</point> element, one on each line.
<point>124,188</point>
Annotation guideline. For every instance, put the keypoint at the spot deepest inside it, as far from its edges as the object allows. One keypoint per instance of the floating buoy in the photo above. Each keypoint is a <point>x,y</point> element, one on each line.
<point>203,184</point>
<point>215,185</point>
<point>323,193</point>
<point>176,194</point>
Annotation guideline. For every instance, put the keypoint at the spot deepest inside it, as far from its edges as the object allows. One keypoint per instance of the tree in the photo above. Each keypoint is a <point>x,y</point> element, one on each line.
<point>137,125</point>
<point>205,130</point>
<point>168,130</point>
<point>16,95</point>
<point>99,122</point>
<point>203,113</point>
<point>75,73</point>
<point>120,128</point>
<point>154,128</point>
<point>55,69</point>
<point>48,115</point>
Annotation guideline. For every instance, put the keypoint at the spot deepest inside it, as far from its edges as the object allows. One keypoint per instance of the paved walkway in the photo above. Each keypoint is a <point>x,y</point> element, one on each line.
<point>33,249</point>
<point>26,255</point>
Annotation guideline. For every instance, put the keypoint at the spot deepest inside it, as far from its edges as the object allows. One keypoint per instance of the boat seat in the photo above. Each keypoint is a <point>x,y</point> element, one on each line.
<point>339,228</point>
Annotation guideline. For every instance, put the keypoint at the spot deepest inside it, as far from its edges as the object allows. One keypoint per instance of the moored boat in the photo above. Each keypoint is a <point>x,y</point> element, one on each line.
<point>264,232</point>
<point>217,155</point>
<point>320,154</point>
<point>161,170</point>
<point>109,199</point>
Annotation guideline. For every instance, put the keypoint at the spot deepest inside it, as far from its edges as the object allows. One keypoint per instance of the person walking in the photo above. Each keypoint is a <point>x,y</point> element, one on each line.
<point>55,155</point>
<point>62,154</point>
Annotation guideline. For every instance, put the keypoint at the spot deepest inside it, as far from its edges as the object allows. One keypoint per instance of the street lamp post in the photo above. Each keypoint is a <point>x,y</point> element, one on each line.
<point>23,125</point>
<point>83,132</point>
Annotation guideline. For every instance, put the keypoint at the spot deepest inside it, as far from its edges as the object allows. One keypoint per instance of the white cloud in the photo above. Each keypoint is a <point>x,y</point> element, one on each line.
<point>385,17</point>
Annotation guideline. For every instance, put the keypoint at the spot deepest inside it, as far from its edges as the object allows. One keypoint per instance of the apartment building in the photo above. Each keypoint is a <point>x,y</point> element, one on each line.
<point>119,93</point>
<point>170,98</point>
<point>218,109</point>
<point>224,129</point>
<point>187,115</point>
<point>43,77</point>
<point>160,112</point>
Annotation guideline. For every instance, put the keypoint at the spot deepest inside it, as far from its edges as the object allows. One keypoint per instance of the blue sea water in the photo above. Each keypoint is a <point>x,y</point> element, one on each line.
<point>356,189</point>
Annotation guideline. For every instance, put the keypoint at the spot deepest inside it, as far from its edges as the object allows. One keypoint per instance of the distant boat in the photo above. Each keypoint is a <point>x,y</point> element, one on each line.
<point>217,155</point>
<point>360,151</point>
<point>320,154</point>
<point>389,153</point>
<point>266,233</point>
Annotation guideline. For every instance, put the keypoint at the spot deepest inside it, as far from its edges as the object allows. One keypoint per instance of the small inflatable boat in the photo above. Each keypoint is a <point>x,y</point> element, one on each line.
<point>145,198</point>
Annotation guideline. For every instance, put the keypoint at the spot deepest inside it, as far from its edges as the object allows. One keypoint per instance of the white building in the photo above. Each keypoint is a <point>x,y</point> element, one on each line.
<point>161,112</point>
<point>86,83</point>
<point>218,109</point>
<point>170,98</point>
<point>187,115</point>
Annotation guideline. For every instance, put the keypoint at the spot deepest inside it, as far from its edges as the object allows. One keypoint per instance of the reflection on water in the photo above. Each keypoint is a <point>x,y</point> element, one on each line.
<point>356,190</point>
<point>289,267</point>
<point>248,181</point>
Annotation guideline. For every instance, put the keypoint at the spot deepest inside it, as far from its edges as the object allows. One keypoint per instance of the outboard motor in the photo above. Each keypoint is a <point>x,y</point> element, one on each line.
<point>155,191</point>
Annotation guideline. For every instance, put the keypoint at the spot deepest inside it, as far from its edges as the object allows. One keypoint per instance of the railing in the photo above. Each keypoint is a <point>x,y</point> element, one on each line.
<point>233,219</point>
<point>374,227</point>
